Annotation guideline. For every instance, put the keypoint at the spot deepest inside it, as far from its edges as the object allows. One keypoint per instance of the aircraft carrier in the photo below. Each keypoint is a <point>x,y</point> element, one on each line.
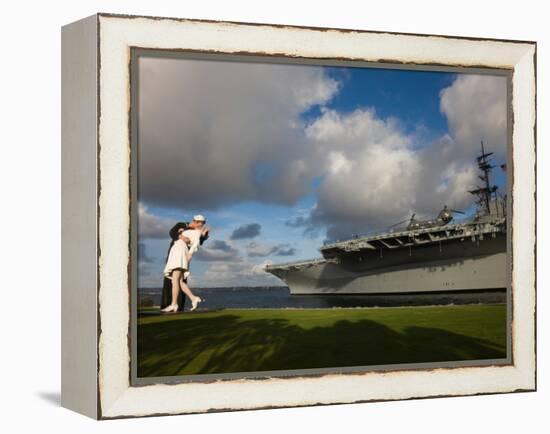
<point>436,255</point>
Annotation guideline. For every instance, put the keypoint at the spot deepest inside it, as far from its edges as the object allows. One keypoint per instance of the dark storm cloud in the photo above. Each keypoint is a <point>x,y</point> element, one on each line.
<point>246,231</point>
<point>310,228</point>
<point>215,133</point>
<point>286,251</point>
<point>218,250</point>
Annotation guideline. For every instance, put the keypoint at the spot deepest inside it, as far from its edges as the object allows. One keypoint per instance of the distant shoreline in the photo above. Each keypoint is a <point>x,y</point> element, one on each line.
<point>280,297</point>
<point>226,288</point>
<point>329,308</point>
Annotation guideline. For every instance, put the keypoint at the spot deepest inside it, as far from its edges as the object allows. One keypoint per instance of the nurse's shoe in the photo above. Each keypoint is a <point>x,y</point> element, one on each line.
<point>195,303</point>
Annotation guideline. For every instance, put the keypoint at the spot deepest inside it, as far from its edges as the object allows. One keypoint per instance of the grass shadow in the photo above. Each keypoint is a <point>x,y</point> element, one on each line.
<point>226,343</point>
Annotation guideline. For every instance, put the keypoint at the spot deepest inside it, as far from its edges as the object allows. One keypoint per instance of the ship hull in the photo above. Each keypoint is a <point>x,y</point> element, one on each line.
<point>457,266</point>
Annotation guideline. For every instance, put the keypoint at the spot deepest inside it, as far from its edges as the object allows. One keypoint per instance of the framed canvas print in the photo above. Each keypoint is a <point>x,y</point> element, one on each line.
<point>260,216</point>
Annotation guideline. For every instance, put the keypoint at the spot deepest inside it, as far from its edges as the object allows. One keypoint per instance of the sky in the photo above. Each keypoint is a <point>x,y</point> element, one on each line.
<point>280,158</point>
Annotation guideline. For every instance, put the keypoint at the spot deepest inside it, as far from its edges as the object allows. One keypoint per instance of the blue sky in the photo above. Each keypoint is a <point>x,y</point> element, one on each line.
<point>301,155</point>
<point>410,96</point>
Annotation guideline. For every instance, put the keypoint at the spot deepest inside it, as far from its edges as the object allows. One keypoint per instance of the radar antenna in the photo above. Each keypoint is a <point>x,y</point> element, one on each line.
<point>488,191</point>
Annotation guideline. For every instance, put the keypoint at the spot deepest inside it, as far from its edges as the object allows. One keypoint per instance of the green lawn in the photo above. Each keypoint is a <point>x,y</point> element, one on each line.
<point>241,340</point>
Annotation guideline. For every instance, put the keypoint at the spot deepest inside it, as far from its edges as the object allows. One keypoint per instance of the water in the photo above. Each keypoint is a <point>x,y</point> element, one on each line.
<point>280,297</point>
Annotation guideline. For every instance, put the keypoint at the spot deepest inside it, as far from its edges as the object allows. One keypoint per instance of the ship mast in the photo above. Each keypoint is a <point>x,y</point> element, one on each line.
<point>486,192</point>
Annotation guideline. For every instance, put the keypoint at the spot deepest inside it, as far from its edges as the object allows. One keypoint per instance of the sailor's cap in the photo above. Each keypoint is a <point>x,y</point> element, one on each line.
<point>199,218</point>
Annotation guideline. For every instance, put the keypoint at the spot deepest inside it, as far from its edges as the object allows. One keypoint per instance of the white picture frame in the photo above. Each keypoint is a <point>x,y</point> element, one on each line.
<point>96,293</point>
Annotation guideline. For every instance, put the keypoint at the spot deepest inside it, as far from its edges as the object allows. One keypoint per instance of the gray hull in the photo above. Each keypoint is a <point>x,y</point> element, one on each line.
<point>459,265</point>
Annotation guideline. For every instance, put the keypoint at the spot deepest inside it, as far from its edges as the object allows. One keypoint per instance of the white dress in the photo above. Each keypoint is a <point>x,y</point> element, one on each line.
<point>195,236</point>
<point>177,257</point>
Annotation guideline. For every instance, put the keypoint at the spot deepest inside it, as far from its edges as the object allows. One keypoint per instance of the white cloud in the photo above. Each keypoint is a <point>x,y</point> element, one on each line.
<point>235,274</point>
<point>339,163</point>
<point>475,107</point>
<point>375,174</point>
<point>258,249</point>
<point>370,176</point>
<point>152,226</point>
